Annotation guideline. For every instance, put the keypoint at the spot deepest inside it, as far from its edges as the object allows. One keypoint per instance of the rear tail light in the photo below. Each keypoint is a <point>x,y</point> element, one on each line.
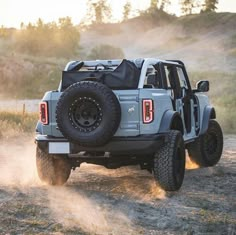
<point>148,111</point>
<point>43,113</point>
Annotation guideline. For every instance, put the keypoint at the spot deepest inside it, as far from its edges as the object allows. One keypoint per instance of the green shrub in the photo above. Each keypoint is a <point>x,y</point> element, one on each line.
<point>105,51</point>
<point>48,39</point>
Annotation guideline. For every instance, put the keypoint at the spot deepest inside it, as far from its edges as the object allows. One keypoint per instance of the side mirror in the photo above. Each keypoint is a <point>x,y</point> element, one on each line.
<point>203,86</point>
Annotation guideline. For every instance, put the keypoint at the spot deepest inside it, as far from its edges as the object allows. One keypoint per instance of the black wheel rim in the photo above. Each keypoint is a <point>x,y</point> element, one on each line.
<point>210,143</point>
<point>85,114</point>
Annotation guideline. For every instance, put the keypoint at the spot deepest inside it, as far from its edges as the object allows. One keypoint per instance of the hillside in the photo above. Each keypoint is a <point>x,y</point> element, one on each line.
<point>205,42</point>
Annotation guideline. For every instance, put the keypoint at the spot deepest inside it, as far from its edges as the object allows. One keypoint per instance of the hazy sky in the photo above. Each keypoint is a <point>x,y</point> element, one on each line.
<point>13,12</point>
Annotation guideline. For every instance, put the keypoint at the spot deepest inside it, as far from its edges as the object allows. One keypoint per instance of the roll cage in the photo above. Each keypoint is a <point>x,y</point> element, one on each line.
<point>142,64</point>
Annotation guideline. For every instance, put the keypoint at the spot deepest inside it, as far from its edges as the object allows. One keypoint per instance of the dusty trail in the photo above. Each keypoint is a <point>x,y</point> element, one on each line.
<point>122,201</point>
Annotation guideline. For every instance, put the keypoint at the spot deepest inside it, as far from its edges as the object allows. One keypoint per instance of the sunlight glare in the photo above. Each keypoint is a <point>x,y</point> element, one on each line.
<point>14,12</point>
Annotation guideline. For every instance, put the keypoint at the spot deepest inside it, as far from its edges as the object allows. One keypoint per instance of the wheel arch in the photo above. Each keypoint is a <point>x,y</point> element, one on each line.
<point>208,114</point>
<point>171,120</point>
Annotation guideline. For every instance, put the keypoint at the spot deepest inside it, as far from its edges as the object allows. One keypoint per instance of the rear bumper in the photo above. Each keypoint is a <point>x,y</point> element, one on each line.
<point>144,144</point>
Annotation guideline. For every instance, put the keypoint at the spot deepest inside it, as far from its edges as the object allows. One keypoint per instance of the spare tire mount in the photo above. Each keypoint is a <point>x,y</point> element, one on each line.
<point>88,113</point>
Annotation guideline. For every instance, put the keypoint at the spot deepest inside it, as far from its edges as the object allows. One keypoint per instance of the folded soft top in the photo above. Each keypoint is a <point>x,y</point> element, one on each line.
<point>124,76</point>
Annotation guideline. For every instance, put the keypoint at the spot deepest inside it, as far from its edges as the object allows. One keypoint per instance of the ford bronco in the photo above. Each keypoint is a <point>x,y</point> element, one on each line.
<point>126,112</point>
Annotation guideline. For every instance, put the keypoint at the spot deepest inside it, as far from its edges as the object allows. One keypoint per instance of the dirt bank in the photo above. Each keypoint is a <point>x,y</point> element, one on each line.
<point>123,201</point>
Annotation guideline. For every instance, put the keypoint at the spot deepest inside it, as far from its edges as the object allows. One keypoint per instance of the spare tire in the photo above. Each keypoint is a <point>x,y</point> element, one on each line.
<point>88,113</point>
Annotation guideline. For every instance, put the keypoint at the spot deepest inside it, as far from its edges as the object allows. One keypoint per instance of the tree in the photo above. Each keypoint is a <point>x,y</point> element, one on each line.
<point>5,33</point>
<point>22,25</point>
<point>104,52</point>
<point>69,37</point>
<point>51,39</point>
<point>210,5</point>
<point>126,10</point>
<point>187,6</point>
<point>97,12</point>
<point>164,4</point>
<point>154,4</point>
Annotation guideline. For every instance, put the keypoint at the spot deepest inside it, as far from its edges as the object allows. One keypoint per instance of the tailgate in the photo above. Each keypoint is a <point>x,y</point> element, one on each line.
<point>130,112</point>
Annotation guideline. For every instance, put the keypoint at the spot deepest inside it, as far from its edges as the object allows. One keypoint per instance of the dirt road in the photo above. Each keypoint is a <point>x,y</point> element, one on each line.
<point>123,201</point>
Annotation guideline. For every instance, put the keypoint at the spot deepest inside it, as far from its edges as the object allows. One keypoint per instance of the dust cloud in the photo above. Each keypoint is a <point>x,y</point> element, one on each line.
<point>75,209</point>
<point>75,205</point>
<point>67,206</point>
<point>87,201</point>
<point>17,163</point>
<point>137,184</point>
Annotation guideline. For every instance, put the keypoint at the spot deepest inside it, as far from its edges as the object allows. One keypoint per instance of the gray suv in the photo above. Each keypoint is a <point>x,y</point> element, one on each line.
<point>126,112</point>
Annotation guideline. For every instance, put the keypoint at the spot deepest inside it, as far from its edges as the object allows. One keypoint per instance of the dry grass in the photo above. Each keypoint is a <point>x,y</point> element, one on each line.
<point>13,124</point>
<point>222,96</point>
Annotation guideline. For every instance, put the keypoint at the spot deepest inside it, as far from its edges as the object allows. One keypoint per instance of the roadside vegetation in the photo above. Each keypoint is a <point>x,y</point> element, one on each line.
<point>106,52</point>
<point>14,124</point>
<point>222,96</point>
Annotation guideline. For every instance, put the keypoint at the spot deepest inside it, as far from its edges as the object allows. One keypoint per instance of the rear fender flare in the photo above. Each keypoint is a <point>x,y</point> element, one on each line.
<point>171,120</point>
<point>208,113</point>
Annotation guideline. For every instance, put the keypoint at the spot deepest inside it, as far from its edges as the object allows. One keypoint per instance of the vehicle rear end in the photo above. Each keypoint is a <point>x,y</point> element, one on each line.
<point>99,108</point>
<point>135,128</point>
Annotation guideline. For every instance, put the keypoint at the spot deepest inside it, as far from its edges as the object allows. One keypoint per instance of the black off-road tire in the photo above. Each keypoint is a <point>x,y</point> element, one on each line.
<point>52,169</point>
<point>88,113</point>
<point>169,162</point>
<point>207,149</point>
